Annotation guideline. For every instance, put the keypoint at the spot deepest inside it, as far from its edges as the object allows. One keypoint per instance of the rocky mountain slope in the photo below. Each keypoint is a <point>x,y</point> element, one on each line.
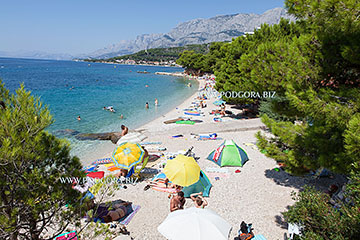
<point>197,31</point>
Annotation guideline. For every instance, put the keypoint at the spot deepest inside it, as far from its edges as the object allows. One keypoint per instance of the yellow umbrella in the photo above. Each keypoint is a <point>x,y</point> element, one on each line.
<point>182,170</point>
<point>127,155</point>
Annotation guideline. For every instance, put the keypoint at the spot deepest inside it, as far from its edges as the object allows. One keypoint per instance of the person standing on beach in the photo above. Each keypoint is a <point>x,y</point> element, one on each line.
<point>156,102</point>
<point>177,202</point>
<point>147,105</point>
<point>124,130</point>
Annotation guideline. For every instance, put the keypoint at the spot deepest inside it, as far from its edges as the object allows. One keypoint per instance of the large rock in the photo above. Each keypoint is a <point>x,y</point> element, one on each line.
<point>66,132</point>
<point>113,136</point>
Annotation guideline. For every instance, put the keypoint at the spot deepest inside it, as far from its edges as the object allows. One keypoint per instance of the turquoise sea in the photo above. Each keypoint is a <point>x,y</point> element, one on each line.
<point>73,88</point>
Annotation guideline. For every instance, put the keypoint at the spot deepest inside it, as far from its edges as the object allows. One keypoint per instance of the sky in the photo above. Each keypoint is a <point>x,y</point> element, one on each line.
<point>83,26</point>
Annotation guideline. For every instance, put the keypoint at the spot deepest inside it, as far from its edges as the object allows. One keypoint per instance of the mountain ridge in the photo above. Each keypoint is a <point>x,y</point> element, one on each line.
<point>195,31</point>
<point>219,28</point>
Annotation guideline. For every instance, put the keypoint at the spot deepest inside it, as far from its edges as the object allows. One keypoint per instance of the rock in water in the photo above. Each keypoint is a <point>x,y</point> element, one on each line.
<point>66,132</point>
<point>113,136</point>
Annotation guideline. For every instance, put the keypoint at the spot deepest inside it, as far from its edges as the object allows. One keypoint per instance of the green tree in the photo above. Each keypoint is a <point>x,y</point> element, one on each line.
<point>32,197</point>
<point>321,220</point>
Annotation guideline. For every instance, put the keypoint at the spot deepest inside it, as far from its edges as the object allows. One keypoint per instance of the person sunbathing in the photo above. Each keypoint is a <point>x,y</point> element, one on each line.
<point>162,183</point>
<point>199,200</point>
<point>119,211</point>
<point>244,233</point>
<point>122,173</point>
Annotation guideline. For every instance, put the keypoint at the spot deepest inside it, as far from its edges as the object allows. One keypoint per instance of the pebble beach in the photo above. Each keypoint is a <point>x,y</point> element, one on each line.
<point>258,194</point>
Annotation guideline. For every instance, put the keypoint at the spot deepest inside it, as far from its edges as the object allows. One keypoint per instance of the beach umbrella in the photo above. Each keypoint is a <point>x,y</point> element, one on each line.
<point>229,154</point>
<point>196,224</point>
<point>182,170</point>
<point>127,155</point>
<point>219,102</point>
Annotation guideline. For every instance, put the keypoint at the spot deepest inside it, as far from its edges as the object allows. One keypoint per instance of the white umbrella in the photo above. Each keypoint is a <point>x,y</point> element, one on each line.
<point>194,224</point>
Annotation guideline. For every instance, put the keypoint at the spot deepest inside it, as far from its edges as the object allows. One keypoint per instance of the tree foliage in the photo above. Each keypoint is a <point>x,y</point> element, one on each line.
<point>321,220</point>
<point>31,162</point>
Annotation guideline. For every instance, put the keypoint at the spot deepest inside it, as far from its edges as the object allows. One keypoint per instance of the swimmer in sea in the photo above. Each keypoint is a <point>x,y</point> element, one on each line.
<point>156,102</point>
<point>121,116</point>
<point>146,85</point>
<point>78,118</point>
<point>147,105</point>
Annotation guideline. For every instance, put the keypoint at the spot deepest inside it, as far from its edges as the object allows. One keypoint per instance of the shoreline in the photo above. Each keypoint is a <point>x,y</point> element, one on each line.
<point>107,147</point>
<point>135,64</point>
<point>259,205</point>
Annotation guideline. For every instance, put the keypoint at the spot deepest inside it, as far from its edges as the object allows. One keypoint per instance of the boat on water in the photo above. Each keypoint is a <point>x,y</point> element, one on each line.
<point>143,71</point>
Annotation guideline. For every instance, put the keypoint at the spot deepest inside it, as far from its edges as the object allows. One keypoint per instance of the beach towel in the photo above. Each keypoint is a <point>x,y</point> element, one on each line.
<point>113,168</point>
<point>177,136</point>
<point>99,174</point>
<point>150,171</point>
<point>164,189</point>
<point>192,113</point>
<point>259,237</point>
<point>214,175</point>
<point>104,210</point>
<point>65,236</point>
<point>217,170</point>
<point>102,161</point>
<point>126,220</point>
<point>109,165</point>
<point>151,143</point>
<point>218,120</point>
<point>185,122</point>
<point>249,144</point>
<point>87,169</point>
<point>134,137</point>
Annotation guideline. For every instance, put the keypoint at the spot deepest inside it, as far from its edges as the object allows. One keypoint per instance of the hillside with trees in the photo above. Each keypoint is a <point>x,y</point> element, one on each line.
<point>314,67</point>
<point>170,54</point>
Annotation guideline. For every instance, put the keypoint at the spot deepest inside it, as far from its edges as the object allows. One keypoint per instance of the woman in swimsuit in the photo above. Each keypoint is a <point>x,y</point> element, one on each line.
<point>119,211</point>
<point>199,201</point>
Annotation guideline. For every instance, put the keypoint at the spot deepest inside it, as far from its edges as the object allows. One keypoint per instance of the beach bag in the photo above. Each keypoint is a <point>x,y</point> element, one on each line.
<point>246,236</point>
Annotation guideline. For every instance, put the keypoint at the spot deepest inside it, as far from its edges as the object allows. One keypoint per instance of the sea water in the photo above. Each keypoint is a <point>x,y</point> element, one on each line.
<point>71,89</point>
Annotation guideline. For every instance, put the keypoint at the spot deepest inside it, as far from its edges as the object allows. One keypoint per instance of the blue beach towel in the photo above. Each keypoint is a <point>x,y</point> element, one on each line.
<point>259,237</point>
